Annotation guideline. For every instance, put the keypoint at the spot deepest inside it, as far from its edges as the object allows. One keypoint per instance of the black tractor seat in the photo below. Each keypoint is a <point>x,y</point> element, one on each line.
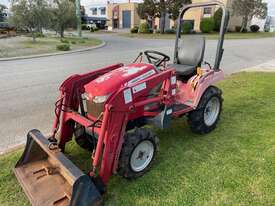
<point>189,55</point>
<point>183,70</point>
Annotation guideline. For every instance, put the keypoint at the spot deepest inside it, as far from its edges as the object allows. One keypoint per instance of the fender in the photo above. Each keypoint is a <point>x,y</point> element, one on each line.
<point>196,86</point>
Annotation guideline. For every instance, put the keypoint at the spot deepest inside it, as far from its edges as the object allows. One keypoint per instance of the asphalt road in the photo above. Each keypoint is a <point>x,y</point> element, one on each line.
<point>28,88</point>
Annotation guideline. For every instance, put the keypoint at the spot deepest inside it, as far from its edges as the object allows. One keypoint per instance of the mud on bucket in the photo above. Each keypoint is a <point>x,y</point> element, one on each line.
<point>49,178</point>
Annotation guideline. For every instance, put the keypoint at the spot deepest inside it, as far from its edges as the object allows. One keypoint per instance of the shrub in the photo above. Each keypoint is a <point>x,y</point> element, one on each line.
<point>217,19</point>
<point>39,35</point>
<point>254,28</point>
<point>186,27</point>
<point>157,31</point>
<point>93,29</point>
<point>73,42</point>
<point>244,30</point>
<point>63,47</point>
<point>84,27</point>
<point>144,28</point>
<point>238,28</point>
<point>170,31</point>
<point>134,30</point>
<point>267,28</point>
<point>82,41</point>
<point>65,41</point>
<point>207,25</point>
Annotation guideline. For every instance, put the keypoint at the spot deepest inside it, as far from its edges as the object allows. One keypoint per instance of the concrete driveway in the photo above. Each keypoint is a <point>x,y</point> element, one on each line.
<point>28,88</point>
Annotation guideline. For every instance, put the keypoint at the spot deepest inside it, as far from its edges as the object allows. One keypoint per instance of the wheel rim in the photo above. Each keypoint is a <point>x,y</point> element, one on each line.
<point>211,111</point>
<point>142,155</point>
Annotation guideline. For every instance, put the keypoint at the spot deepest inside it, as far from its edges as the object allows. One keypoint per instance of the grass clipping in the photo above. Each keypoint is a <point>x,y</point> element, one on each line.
<point>233,165</point>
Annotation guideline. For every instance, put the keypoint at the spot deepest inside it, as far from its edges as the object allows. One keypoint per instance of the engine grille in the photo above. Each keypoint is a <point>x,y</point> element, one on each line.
<point>94,109</point>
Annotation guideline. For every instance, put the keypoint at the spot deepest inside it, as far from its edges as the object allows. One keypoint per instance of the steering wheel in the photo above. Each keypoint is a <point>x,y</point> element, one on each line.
<point>155,57</point>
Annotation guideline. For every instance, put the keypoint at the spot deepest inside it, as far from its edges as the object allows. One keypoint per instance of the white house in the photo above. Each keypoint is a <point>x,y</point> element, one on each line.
<point>96,12</point>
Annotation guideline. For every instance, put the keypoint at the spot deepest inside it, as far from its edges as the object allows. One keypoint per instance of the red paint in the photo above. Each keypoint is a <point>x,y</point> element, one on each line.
<point>115,80</point>
<point>112,81</point>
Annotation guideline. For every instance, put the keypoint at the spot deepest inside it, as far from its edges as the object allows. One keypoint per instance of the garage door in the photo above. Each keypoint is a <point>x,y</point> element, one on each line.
<point>126,19</point>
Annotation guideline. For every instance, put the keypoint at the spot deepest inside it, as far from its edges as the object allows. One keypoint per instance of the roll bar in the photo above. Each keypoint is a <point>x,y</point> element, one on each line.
<point>224,24</point>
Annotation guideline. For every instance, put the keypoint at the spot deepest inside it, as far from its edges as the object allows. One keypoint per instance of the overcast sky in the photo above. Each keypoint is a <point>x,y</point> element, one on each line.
<point>271,7</point>
<point>271,3</point>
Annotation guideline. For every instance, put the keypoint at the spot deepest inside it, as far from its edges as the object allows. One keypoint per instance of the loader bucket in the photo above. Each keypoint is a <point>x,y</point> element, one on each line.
<point>49,178</point>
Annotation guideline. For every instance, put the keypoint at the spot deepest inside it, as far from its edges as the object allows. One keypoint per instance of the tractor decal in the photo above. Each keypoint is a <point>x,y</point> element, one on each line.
<point>141,77</point>
<point>127,96</point>
<point>139,87</point>
<point>131,70</point>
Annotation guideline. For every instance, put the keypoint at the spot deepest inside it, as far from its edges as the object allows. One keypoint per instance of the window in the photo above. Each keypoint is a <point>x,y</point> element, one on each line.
<point>207,10</point>
<point>103,11</point>
<point>94,11</point>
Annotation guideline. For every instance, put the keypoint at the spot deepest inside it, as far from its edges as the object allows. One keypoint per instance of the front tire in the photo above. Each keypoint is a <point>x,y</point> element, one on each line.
<point>206,116</point>
<point>138,152</point>
<point>83,139</point>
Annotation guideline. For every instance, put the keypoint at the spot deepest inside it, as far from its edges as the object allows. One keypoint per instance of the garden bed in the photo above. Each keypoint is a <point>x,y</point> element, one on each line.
<point>23,45</point>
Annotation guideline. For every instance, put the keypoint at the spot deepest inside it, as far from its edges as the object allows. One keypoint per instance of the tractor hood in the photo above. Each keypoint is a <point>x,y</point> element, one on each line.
<point>113,80</point>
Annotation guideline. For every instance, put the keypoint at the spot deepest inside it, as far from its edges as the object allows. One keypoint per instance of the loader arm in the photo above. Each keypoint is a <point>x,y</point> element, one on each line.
<point>47,176</point>
<point>70,91</point>
<point>116,114</point>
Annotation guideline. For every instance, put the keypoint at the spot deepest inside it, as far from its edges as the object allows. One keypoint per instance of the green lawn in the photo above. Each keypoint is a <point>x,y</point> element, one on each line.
<point>233,165</point>
<point>208,36</point>
<point>23,45</point>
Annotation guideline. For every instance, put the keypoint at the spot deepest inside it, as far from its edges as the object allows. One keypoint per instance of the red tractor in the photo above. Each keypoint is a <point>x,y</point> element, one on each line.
<point>105,111</point>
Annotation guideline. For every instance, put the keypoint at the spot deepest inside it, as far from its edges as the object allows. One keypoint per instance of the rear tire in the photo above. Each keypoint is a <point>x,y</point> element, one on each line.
<point>206,116</point>
<point>138,152</point>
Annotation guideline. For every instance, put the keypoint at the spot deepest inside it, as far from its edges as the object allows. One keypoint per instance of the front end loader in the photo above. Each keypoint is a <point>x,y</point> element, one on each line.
<point>106,110</point>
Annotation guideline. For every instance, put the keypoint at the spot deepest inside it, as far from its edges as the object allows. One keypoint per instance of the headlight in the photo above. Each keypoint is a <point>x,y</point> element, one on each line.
<point>85,96</point>
<point>100,99</point>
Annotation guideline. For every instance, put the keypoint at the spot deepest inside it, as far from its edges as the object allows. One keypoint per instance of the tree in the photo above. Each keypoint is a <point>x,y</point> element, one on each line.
<point>147,9</point>
<point>218,19</point>
<point>248,9</point>
<point>174,8</point>
<point>78,17</point>
<point>160,8</point>
<point>63,16</point>
<point>2,14</point>
<point>171,7</point>
<point>207,25</point>
<point>82,10</point>
<point>29,15</point>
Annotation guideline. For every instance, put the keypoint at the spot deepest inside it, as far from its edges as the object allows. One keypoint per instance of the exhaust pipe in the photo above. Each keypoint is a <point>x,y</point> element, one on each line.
<point>49,178</point>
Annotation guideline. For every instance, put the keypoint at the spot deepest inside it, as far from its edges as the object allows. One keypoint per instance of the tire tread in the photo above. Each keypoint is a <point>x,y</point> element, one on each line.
<point>196,117</point>
<point>131,140</point>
